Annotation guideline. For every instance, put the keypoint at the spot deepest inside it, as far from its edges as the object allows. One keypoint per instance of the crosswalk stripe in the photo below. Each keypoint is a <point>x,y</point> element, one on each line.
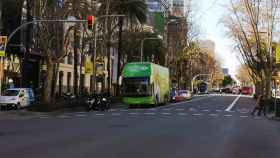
<point>197,114</point>
<point>99,114</point>
<point>166,113</point>
<point>213,114</point>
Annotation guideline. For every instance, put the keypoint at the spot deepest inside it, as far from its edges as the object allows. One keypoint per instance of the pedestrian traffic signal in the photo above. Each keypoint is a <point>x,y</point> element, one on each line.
<point>90,21</point>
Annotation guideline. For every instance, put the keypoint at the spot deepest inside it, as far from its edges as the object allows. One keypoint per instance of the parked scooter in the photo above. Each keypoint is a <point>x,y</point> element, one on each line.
<point>98,102</point>
<point>68,96</point>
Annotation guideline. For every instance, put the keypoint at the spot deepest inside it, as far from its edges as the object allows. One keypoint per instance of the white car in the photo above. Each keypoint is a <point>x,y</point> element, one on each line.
<point>17,97</point>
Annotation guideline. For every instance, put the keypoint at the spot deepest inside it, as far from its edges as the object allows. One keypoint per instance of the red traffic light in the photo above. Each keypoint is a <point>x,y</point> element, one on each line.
<point>90,21</point>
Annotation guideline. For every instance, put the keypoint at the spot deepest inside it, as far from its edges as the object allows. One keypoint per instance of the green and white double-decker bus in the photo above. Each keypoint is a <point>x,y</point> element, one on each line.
<point>145,84</point>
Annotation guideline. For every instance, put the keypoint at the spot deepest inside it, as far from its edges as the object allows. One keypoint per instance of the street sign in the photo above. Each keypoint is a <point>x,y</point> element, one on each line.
<point>277,55</point>
<point>88,67</point>
<point>3,44</point>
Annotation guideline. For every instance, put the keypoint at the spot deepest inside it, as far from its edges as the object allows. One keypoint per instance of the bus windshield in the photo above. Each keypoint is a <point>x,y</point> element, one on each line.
<point>136,87</point>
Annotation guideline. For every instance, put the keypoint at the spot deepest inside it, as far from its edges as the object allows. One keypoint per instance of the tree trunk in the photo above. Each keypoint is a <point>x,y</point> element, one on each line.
<point>81,74</point>
<point>48,82</point>
<point>119,53</point>
<point>267,78</point>
<point>55,79</point>
<point>76,75</point>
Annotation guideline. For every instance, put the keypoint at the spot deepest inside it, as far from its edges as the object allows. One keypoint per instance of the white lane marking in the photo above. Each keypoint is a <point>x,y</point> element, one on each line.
<point>182,114</point>
<point>113,110</point>
<point>149,113</point>
<point>233,103</point>
<point>227,95</point>
<point>206,110</point>
<point>231,111</point>
<point>80,115</point>
<point>132,113</point>
<point>179,109</point>
<point>123,110</point>
<point>192,109</point>
<point>116,114</point>
<point>167,109</point>
<point>228,115</point>
<point>197,114</point>
<point>244,116</point>
<point>165,113</point>
<point>63,116</point>
<point>213,115</point>
<point>81,112</point>
<point>99,114</point>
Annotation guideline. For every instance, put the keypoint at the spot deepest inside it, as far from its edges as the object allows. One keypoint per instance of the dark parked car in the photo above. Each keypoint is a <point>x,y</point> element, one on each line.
<point>226,90</point>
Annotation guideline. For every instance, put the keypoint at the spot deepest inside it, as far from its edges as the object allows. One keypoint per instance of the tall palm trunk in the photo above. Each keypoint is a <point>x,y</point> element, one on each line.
<point>81,64</point>
<point>76,45</point>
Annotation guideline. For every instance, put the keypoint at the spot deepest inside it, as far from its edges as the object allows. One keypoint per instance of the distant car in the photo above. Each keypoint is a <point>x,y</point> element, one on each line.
<point>17,97</point>
<point>216,90</point>
<point>226,90</point>
<point>183,95</point>
<point>247,90</point>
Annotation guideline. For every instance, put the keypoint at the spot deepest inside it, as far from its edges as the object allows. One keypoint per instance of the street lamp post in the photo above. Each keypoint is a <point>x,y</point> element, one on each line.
<point>142,44</point>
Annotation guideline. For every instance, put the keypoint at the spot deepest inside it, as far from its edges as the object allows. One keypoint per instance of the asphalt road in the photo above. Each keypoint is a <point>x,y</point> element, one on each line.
<point>200,128</point>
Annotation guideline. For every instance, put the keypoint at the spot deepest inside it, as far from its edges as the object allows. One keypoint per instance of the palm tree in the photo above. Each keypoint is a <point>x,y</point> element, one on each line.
<point>78,9</point>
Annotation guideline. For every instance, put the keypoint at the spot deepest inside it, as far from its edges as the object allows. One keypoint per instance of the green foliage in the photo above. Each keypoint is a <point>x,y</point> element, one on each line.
<point>227,80</point>
<point>133,9</point>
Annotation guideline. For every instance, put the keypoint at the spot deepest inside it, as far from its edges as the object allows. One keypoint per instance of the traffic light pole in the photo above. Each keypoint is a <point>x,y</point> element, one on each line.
<point>94,57</point>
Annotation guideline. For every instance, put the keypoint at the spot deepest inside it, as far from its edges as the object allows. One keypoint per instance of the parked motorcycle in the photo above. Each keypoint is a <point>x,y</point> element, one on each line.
<point>68,96</point>
<point>98,102</point>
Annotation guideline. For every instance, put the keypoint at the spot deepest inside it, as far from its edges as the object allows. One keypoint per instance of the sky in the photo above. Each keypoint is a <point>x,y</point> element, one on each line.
<point>208,16</point>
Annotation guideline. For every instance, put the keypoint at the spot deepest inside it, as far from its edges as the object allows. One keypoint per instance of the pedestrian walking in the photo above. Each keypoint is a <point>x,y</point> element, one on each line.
<point>259,107</point>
